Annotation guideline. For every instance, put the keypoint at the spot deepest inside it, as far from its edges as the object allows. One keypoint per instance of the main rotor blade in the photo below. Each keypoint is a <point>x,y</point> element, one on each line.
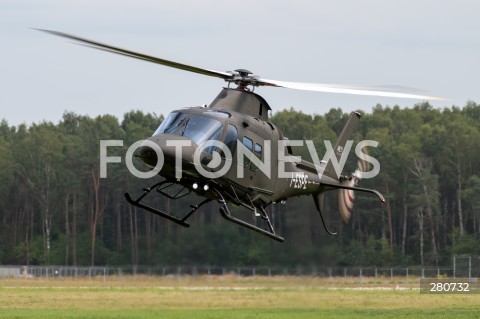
<point>333,88</point>
<point>242,79</point>
<point>140,56</point>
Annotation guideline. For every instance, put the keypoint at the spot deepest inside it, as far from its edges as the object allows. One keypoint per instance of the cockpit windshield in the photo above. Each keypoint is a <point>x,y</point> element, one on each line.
<point>200,129</point>
<point>173,121</point>
<point>197,128</point>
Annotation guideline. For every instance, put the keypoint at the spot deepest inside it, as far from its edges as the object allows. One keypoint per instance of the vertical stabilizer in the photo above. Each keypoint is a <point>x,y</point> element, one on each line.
<point>344,136</point>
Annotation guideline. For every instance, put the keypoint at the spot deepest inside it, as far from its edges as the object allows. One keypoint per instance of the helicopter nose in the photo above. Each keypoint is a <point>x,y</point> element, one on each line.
<point>148,155</point>
<point>167,144</point>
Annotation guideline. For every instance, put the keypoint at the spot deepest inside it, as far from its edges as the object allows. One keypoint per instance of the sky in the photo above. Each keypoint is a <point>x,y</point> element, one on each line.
<point>429,45</point>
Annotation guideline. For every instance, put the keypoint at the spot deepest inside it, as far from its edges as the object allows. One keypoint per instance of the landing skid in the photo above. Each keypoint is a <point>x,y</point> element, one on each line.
<point>226,214</point>
<point>160,188</point>
<point>163,187</point>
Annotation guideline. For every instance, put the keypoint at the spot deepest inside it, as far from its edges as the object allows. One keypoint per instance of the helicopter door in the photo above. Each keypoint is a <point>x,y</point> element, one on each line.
<point>230,141</point>
<point>253,176</point>
<point>249,169</point>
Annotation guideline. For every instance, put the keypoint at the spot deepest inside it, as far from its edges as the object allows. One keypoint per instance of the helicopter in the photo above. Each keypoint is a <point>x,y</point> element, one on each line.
<point>234,132</point>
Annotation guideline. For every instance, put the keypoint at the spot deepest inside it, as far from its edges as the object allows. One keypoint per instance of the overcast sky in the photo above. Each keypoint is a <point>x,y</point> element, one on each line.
<point>430,45</point>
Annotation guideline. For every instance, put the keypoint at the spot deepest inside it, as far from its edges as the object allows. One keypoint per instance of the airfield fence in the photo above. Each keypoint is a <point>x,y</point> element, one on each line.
<point>69,271</point>
<point>462,266</point>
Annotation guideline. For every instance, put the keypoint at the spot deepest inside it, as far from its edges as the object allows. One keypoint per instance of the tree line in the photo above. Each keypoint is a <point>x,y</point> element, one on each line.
<point>55,208</point>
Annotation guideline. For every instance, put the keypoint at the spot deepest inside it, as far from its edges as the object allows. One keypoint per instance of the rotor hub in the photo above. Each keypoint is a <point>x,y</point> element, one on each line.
<point>243,72</point>
<point>242,78</point>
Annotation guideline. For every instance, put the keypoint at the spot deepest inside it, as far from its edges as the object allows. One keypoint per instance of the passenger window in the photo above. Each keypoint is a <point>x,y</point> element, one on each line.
<point>258,150</point>
<point>248,144</point>
<point>258,153</point>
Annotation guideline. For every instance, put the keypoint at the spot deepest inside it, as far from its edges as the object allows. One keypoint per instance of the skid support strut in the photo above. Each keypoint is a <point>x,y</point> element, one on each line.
<point>226,214</point>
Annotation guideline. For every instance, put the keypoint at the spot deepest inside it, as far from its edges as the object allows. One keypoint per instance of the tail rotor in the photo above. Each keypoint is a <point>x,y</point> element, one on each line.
<point>346,197</point>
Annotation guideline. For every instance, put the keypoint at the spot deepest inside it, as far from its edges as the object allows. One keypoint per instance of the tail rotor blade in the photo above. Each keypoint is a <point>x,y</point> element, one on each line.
<point>346,199</point>
<point>362,166</point>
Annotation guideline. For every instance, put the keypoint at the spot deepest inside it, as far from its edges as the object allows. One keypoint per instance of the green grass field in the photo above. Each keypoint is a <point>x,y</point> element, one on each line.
<point>228,297</point>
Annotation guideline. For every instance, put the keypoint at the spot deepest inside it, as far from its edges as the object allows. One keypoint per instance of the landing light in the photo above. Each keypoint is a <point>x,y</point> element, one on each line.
<point>195,185</point>
<point>205,188</point>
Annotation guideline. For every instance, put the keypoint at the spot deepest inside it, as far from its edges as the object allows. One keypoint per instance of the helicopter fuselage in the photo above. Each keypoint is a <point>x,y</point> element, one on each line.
<point>234,117</point>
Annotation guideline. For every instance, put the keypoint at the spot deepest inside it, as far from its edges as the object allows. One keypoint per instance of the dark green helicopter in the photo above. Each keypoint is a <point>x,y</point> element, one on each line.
<point>237,119</point>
